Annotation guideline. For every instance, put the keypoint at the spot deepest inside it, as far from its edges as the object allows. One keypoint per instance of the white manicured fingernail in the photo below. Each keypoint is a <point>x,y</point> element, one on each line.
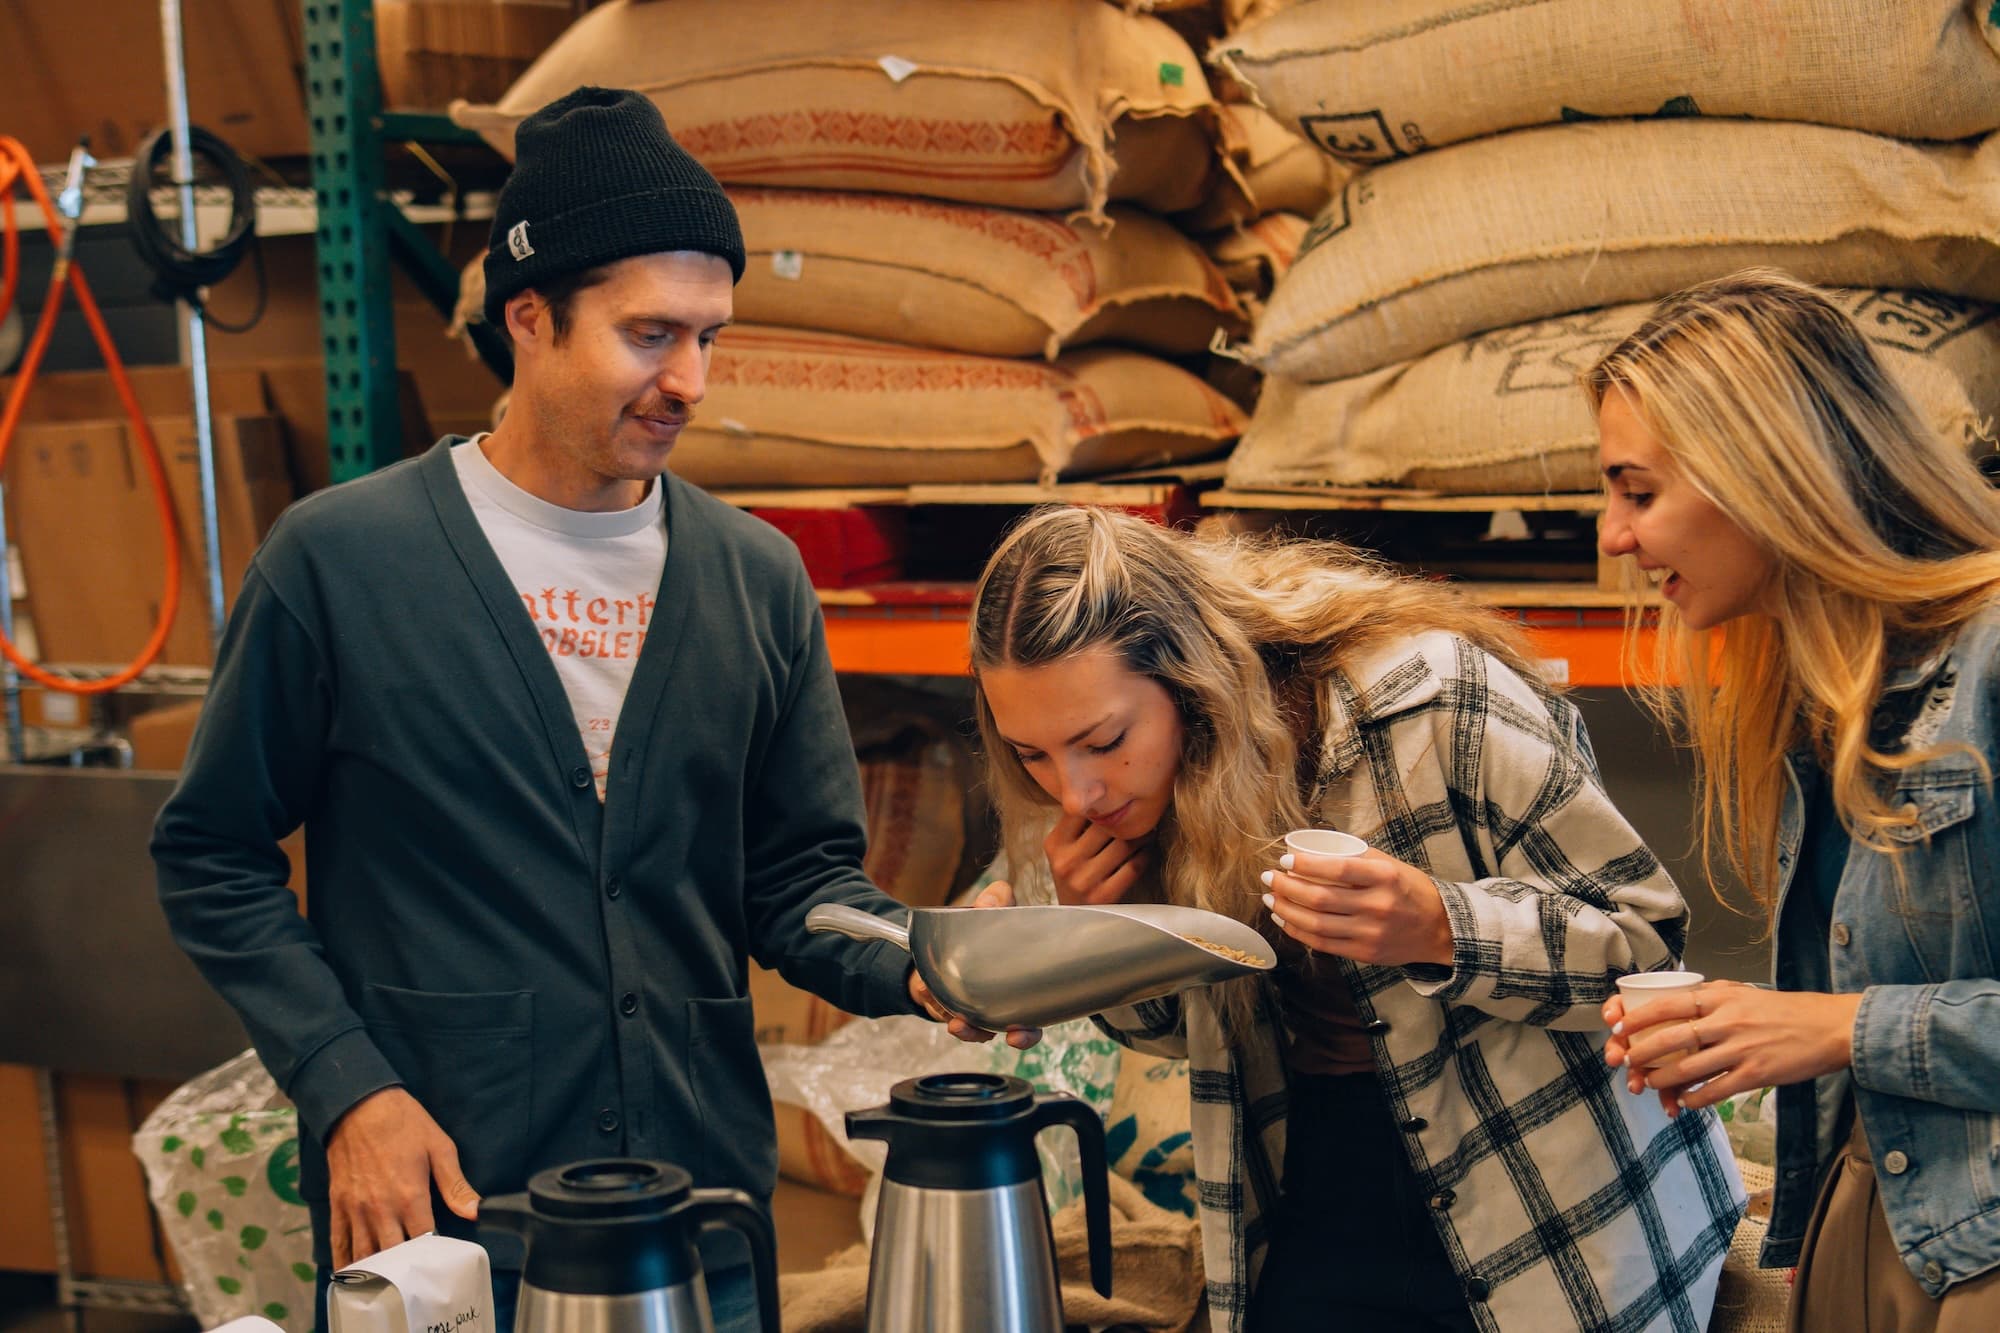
<point>1267,877</point>
<point>1618,1028</point>
<point>1281,921</point>
<point>1270,902</point>
<point>1285,861</point>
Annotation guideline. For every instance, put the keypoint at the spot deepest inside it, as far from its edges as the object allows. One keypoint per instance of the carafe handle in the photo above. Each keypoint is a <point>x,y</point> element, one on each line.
<point>1089,1127</point>
<point>733,1210</point>
<point>508,1212</point>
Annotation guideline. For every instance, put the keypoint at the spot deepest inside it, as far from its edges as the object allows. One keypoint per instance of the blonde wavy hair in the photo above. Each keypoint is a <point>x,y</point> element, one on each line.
<point>1885,538</point>
<point>1225,625</point>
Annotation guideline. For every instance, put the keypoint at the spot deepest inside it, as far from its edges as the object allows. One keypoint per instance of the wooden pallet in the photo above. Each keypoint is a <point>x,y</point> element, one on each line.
<point>1269,508</point>
<point>1377,499</point>
<point>1142,489</point>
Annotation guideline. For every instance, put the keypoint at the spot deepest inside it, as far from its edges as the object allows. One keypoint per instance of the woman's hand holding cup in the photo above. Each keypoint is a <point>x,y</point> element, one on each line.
<point>1335,895</point>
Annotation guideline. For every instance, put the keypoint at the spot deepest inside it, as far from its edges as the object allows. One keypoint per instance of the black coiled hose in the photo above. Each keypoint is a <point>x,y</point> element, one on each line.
<point>180,274</point>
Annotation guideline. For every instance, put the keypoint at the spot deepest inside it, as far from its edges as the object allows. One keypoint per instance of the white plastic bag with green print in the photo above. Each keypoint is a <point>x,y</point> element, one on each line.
<point>222,1167</point>
<point>1751,1121</point>
<point>1074,1058</point>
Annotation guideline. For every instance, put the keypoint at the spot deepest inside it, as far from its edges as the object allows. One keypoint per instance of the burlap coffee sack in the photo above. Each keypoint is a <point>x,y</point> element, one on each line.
<point>1488,235</point>
<point>968,278</point>
<point>1502,413</point>
<point>1254,256</point>
<point>1148,1134</point>
<point>1042,104</point>
<point>1268,169</point>
<point>1372,80</point>
<point>1156,1274</point>
<point>432,52</point>
<point>792,408</point>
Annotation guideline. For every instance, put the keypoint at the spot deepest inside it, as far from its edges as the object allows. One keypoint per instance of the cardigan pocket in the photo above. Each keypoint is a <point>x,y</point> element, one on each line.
<point>468,1059</point>
<point>739,1136</point>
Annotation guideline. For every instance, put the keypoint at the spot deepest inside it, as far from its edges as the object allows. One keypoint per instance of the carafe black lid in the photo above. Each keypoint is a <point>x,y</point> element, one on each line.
<point>962,1097</point>
<point>609,1187</point>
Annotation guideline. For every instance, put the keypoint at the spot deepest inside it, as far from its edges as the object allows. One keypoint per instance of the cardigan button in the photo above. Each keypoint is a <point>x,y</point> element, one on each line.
<point>579,777</point>
<point>1896,1162</point>
<point>1841,934</point>
<point>1416,1124</point>
<point>1477,1288</point>
<point>1443,1200</point>
<point>607,1120</point>
<point>1376,1027</point>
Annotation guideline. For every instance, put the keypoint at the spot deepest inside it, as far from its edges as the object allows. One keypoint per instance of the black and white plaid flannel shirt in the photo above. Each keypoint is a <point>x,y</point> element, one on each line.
<point>1563,1201</point>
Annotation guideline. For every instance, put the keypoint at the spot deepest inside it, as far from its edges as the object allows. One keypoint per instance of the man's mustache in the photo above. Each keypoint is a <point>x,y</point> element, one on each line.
<point>666,409</point>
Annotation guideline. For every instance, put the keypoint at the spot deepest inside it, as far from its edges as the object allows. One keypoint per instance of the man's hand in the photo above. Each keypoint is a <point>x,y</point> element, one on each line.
<point>380,1161</point>
<point>1371,908</point>
<point>997,894</point>
<point>1090,866</point>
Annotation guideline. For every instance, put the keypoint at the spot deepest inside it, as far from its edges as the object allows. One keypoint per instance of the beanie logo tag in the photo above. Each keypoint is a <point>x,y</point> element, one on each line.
<point>517,241</point>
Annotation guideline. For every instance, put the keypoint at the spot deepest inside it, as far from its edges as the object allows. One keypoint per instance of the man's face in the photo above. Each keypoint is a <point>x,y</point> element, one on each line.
<point>613,394</point>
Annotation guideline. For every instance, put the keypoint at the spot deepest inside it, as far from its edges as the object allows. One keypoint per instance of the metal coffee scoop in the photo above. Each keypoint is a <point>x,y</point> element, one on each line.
<point>1036,966</point>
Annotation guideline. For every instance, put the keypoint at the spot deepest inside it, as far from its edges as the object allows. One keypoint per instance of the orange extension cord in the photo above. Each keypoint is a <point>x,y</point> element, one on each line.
<point>17,164</point>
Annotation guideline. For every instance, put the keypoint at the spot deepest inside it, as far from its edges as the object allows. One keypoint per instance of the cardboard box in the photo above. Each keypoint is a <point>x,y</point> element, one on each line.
<point>160,736</point>
<point>288,386</point>
<point>162,391</point>
<point>85,520</point>
<point>296,391</point>
<point>101,70</point>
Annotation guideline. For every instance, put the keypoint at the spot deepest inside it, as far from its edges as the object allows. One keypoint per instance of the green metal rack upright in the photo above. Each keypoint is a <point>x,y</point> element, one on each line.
<point>361,232</point>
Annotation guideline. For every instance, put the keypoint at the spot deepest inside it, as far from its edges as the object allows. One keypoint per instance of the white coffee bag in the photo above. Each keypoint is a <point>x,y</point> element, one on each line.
<point>429,1284</point>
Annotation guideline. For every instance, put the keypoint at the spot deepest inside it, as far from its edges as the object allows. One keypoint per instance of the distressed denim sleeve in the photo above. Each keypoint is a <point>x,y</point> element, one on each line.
<point>1937,1043</point>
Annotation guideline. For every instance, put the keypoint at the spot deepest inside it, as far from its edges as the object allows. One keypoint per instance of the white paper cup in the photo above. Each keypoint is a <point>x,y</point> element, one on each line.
<point>1642,988</point>
<point>1324,842</point>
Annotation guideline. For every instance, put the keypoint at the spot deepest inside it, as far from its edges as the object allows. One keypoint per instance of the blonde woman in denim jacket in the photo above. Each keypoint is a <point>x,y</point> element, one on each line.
<point>1829,566</point>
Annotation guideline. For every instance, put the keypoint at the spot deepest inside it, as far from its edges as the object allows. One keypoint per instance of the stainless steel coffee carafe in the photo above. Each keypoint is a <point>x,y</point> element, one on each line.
<point>962,1238</point>
<point>611,1248</point>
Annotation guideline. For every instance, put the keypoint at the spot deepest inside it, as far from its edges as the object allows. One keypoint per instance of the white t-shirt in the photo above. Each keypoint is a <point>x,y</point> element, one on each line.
<point>588,581</point>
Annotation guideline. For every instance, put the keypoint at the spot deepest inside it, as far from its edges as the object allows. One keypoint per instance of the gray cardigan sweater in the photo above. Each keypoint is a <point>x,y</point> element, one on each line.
<point>553,979</point>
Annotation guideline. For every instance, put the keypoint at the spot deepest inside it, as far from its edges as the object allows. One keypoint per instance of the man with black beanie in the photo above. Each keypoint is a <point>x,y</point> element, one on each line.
<point>559,780</point>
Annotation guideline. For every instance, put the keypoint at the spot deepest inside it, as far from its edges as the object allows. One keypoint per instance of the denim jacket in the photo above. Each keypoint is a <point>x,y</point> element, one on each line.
<point>1924,953</point>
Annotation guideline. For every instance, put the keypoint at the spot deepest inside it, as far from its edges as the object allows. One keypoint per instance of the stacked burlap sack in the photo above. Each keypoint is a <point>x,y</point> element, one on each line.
<point>1522,164</point>
<point>960,267</point>
<point>1272,181</point>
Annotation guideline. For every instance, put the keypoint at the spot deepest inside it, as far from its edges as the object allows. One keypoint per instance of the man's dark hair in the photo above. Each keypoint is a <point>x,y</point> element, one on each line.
<point>559,294</point>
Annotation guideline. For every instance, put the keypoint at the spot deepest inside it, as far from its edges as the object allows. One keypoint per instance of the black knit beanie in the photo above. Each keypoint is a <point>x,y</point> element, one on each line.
<point>597,178</point>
